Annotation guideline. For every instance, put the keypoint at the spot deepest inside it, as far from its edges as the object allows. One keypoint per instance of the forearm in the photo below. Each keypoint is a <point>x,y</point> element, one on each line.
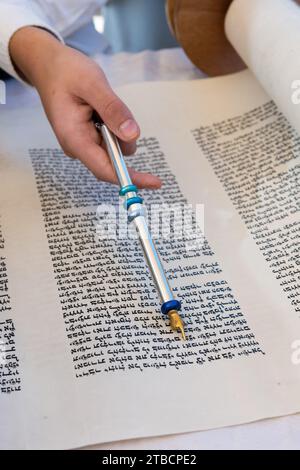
<point>33,52</point>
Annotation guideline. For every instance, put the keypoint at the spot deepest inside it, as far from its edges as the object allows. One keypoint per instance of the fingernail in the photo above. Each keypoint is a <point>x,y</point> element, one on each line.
<point>129,128</point>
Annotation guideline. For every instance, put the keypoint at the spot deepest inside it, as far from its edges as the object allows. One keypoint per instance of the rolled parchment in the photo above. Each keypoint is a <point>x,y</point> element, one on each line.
<point>266,34</point>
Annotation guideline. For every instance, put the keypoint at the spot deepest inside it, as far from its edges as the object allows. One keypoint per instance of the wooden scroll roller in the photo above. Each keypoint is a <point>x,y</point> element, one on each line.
<point>198,26</point>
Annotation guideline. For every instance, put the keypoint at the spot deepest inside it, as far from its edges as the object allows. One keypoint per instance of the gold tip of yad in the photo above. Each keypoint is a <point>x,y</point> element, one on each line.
<point>176,322</point>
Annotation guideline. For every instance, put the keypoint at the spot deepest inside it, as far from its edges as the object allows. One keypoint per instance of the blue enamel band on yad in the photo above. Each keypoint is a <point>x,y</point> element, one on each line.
<point>170,305</point>
<point>130,188</point>
<point>133,200</point>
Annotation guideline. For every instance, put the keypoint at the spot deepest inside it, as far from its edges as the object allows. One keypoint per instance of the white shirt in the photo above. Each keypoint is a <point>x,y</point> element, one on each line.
<point>61,17</point>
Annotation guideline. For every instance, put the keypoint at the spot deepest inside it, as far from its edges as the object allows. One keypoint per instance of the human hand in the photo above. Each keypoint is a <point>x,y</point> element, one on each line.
<point>71,87</point>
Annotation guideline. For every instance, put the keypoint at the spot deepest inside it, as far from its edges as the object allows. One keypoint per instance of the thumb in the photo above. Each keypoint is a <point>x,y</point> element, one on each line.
<point>115,114</point>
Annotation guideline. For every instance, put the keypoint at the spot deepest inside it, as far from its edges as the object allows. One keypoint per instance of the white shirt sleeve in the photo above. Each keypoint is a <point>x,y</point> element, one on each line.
<point>15,14</point>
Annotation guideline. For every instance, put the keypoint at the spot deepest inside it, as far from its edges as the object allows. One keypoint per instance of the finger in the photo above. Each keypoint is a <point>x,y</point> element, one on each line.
<point>97,161</point>
<point>112,110</point>
<point>145,180</point>
<point>128,148</point>
<point>117,117</point>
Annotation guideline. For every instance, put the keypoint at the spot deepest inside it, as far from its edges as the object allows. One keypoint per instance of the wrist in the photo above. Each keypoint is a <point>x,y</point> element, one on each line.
<point>33,51</point>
